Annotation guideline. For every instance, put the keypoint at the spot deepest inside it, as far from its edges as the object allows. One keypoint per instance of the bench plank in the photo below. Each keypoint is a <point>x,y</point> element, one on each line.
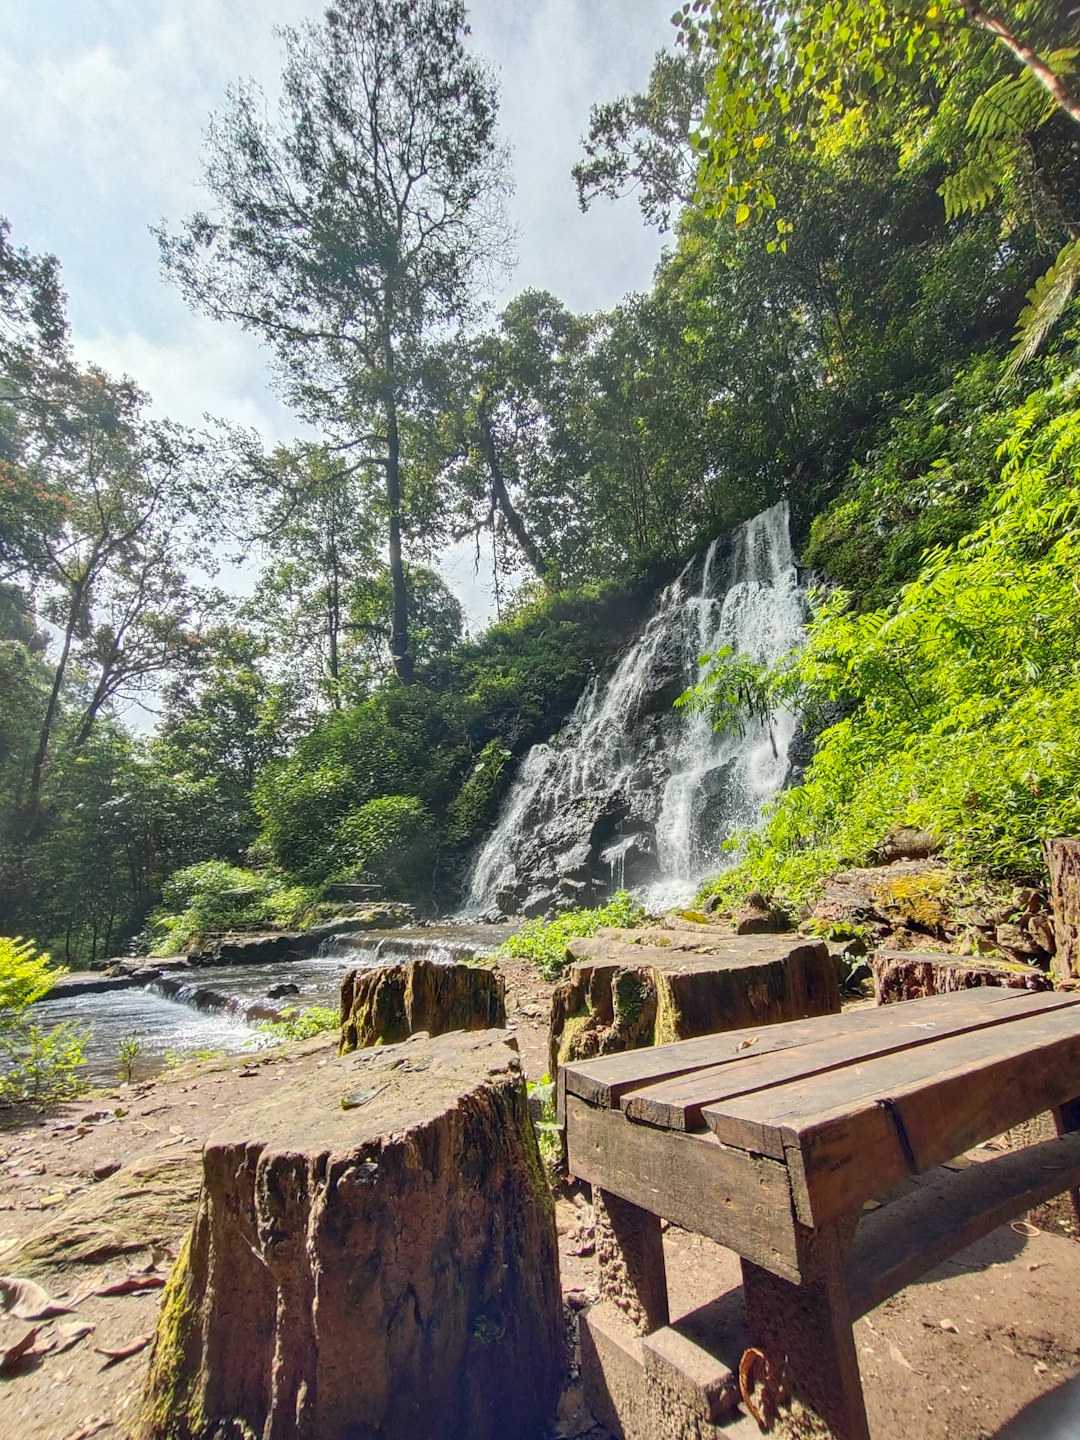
<point>951,1210</point>
<point>853,1133</point>
<point>737,1199</point>
<point>604,1081</point>
<point>677,1104</point>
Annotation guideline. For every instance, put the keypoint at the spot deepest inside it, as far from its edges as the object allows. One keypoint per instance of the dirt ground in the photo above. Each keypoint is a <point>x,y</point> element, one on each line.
<point>95,1197</point>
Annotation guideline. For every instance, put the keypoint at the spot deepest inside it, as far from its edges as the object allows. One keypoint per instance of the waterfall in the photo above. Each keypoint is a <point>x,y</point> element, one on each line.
<point>632,791</point>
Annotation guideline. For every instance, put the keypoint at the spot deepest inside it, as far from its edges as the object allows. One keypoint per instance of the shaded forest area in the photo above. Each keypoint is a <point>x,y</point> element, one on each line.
<point>866,307</point>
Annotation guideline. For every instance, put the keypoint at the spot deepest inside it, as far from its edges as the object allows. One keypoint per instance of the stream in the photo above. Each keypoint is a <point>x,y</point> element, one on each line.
<point>203,1010</point>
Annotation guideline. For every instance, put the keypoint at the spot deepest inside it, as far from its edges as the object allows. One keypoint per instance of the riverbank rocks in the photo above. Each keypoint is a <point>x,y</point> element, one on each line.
<point>373,1258</point>
<point>383,1005</point>
<point>265,943</point>
<point>913,974</point>
<point>631,988</point>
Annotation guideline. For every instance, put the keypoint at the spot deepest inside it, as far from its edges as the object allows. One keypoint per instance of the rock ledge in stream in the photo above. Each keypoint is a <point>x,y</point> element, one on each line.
<point>630,988</point>
<point>383,1005</point>
<point>374,1255</point>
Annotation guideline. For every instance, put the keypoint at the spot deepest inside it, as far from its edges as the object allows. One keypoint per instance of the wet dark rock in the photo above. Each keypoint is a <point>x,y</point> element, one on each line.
<point>286,987</point>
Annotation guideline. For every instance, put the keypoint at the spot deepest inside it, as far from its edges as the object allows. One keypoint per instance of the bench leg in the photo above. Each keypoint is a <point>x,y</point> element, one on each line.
<point>809,1326</point>
<point>1066,1121</point>
<point>630,1252</point>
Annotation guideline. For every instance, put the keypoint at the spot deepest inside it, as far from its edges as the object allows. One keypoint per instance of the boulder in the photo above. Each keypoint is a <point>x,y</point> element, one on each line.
<point>373,1255</point>
<point>621,994</point>
<point>912,974</point>
<point>383,1005</point>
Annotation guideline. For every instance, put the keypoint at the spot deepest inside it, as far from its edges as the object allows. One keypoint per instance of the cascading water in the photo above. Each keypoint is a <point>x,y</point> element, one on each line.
<point>632,791</point>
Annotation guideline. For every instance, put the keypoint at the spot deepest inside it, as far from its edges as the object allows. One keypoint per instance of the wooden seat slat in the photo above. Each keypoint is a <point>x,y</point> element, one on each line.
<point>605,1080</point>
<point>677,1104</point>
<point>849,1135</point>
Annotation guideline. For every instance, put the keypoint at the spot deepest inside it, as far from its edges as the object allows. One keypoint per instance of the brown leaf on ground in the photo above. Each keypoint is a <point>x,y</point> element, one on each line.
<point>12,1354</point>
<point>28,1301</point>
<point>123,1352</point>
<point>130,1285</point>
<point>70,1333</point>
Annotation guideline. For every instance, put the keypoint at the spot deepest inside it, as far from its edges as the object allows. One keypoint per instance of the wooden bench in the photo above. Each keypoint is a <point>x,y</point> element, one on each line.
<point>773,1141</point>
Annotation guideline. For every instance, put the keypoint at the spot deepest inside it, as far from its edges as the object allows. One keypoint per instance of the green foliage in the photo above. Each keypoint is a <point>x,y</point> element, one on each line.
<point>961,700</point>
<point>25,976</point>
<point>548,1131</point>
<point>544,941</point>
<point>214,895</point>
<point>296,1024</point>
<point>35,1063</point>
<point>127,1053</point>
<point>43,1065</point>
<point>389,841</point>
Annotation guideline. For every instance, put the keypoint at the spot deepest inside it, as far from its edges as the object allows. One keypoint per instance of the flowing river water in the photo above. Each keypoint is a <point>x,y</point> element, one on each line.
<point>218,1008</point>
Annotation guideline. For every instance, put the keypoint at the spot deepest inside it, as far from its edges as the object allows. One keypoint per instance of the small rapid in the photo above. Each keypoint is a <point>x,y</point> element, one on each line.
<point>189,1011</point>
<point>633,793</point>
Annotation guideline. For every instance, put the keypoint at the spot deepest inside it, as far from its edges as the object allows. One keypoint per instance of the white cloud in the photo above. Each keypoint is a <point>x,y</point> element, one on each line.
<point>103,107</point>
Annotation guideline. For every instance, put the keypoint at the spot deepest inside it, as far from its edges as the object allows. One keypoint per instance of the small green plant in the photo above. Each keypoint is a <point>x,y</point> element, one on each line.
<point>127,1053</point>
<point>297,1024</point>
<point>544,941</point>
<point>35,1063</point>
<point>548,1131</point>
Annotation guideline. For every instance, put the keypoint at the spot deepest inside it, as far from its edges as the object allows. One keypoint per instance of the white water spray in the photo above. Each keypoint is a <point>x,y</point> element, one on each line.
<point>632,791</point>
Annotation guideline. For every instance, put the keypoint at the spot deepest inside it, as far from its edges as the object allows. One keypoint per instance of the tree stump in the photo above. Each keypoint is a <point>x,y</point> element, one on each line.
<point>912,974</point>
<point>373,1255</point>
<point>1063,863</point>
<point>389,1003</point>
<point>621,995</point>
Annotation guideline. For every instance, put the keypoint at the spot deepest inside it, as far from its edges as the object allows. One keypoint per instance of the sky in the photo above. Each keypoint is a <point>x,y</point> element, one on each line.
<point>103,106</point>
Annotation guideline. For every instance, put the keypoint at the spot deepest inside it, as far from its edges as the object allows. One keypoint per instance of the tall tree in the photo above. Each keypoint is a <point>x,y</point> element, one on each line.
<point>354,225</point>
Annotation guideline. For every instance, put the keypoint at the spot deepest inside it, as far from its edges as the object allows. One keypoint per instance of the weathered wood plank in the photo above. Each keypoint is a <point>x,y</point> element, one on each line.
<point>678,1104</point>
<point>737,1199</point>
<point>604,1081</point>
<point>951,1210</point>
<point>858,1130</point>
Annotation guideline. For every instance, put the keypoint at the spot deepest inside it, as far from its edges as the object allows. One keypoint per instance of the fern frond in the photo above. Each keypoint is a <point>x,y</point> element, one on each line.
<point>1046,300</point>
<point>972,188</point>
<point>1011,107</point>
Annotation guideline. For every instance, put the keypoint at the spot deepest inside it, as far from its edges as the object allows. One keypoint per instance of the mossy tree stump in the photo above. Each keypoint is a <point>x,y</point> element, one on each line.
<point>373,1258</point>
<point>914,974</point>
<point>621,995</point>
<point>384,1005</point>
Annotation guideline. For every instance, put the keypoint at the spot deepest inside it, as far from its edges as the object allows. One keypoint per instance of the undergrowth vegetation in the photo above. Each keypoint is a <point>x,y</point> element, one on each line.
<point>35,1063</point>
<point>214,895</point>
<point>544,941</point>
<point>960,700</point>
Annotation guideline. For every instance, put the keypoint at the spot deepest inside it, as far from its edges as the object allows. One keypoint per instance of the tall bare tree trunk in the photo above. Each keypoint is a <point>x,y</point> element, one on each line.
<point>501,496</point>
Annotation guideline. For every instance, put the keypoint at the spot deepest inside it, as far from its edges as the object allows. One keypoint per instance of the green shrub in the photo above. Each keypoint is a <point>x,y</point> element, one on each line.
<point>390,841</point>
<point>215,895</point>
<point>297,1024</point>
<point>38,1064</point>
<point>544,941</point>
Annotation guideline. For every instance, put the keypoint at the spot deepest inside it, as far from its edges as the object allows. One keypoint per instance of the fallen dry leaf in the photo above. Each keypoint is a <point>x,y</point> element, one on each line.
<point>70,1333</point>
<point>125,1352</point>
<point>93,1427</point>
<point>130,1285</point>
<point>28,1301</point>
<point>12,1354</point>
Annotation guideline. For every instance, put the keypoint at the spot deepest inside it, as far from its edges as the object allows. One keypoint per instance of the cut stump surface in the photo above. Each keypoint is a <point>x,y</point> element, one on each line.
<point>374,1253</point>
